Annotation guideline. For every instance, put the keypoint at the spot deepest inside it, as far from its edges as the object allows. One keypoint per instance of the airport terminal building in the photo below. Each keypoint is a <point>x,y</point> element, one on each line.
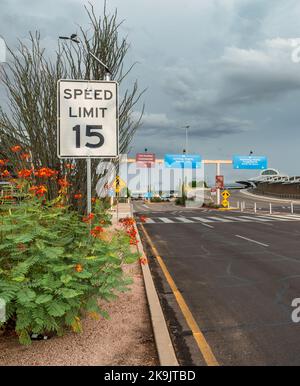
<point>272,183</point>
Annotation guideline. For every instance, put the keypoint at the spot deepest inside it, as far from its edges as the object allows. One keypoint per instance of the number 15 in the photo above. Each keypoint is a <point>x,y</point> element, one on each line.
<point>89,132</point>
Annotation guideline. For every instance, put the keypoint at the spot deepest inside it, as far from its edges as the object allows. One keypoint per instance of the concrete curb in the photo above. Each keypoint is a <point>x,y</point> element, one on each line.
<point>268,199</point>
<point>164,346</point>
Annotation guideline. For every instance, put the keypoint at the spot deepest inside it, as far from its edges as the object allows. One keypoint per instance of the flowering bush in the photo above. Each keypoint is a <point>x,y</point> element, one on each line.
<point>55,266</point>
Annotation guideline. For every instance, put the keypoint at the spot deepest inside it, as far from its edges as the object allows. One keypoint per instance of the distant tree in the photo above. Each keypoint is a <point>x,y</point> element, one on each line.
<point>30,79</point>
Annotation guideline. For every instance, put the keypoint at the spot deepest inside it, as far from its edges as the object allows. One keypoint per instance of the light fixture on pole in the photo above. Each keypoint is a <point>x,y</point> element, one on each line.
<point>186,137</point>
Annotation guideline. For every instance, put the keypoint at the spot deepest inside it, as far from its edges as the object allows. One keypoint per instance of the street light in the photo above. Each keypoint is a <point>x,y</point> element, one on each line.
<point>74,38</point>
<point>186,136</point>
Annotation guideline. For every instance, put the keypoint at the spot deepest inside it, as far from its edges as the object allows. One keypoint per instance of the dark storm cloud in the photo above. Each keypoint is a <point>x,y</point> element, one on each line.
<point>223,67</point>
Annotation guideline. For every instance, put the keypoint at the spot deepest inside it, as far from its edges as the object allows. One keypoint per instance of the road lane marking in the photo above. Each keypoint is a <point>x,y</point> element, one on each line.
<point>242,219</point>
<point>184,219</point>
<point>206,225</point>
<point>202,219</point>
<point>257,218</point>
<point>252,241</point>
<point>281,218</point>
<point>149,221</point>
<point>221,219</point>
<point>166,220</point>
<point>202,343</point>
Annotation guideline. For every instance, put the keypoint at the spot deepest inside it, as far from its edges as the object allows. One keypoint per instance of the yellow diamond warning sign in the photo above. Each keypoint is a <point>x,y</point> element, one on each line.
<point>118,184</point>
<point>225,203</point>
<point>225,194</point>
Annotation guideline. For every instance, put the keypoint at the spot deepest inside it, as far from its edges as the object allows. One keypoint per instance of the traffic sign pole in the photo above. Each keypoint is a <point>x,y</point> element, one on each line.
<point>89,185</point>
<point>218,172</point>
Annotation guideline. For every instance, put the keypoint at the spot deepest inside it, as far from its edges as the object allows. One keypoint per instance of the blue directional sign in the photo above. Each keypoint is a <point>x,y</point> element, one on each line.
<point>148,195</point>
<point>186,161</point>
<point>250,162</point>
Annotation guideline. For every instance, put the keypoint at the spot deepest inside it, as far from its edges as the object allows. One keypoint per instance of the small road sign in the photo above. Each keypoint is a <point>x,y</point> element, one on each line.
<point>118,184</point>
<point>225,203</point>
<point>87,119</point>
<point>225,194</point>
<point>145,160</point>
<point>220,182</point>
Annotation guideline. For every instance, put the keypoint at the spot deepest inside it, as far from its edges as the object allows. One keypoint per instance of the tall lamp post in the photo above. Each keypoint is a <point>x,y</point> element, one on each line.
<point>75,39</point>
<point>186,137</point>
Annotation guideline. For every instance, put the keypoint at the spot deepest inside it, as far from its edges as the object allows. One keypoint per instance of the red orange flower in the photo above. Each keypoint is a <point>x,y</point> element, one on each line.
<point>88,218</point>
<point>6,173</point>
<point>39,190</point>
<point>143,218</point>
<point>70,166</point>
<point>25,173</point>
<point>25,156</point>
<point>16,149</point>
<point>97,231</point>
<point>77,196</point>
<point>3,162</point>
<point>63,182</point>
<point>78,268</point>
<point>45,173</point>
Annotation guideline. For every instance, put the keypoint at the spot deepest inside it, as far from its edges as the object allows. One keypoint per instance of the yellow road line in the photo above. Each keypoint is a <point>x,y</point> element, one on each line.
<point>203,345</point>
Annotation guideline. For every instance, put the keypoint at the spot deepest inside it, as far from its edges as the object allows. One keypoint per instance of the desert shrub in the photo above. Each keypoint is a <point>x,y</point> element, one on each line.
<point>55,266</point>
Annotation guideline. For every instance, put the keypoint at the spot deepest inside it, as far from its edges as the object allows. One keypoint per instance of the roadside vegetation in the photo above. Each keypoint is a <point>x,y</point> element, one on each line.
<point>56,266</point>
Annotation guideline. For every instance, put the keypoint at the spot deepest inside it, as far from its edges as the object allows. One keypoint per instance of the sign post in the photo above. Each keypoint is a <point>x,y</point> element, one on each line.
<point>87,122</point>
<point>146,160</point>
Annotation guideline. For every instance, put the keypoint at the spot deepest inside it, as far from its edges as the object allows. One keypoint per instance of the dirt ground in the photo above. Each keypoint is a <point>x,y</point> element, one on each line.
<point>125,339</point>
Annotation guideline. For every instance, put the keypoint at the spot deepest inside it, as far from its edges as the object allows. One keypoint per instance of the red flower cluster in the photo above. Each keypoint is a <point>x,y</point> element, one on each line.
<point>88,218</point>
<point>143,218</point>
<point>95,232</point>
<point>16,149</point>
<point>25,156</point>
<point>128,224</point>
<point>45,173</point>
<point>3,162</point>
<point>5,174</point>
<point>25,173</point>
<point>39,190</point>
<point>63,183</point>
<point>77,196</point>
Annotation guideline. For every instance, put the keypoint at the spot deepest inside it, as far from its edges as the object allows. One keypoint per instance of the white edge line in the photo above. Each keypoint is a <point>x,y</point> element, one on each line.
<point>253,241</point>
<point>206,225</point>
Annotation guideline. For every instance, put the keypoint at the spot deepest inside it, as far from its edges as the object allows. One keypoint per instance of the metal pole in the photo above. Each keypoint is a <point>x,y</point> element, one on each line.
<point>89,184</point>
<point>270,208</point>
<point>218,172</point>
<point>255,207</point>
<point>292,208</point>
<point>186,139</point>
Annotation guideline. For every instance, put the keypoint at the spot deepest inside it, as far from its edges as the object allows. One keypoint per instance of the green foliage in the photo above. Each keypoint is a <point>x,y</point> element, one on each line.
<point>53,271</point>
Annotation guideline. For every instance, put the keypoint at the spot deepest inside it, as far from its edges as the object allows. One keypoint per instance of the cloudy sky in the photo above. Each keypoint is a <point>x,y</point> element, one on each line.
<point>230,69</point>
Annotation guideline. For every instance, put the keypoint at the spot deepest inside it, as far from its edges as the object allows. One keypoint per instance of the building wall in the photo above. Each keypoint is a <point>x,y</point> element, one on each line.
<point>291,191</point>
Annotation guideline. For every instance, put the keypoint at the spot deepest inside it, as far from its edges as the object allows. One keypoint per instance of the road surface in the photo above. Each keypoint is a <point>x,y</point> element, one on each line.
<point>238,274</point>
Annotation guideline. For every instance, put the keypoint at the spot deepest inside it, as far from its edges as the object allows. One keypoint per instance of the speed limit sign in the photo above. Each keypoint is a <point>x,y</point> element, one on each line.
<point>88,124</point>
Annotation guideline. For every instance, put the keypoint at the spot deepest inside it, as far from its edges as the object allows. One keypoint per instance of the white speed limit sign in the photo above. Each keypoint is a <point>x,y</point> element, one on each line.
<point>87,124</point>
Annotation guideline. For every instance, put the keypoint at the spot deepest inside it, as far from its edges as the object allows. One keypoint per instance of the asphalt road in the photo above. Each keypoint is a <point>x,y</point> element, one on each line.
<point>238,273</point>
